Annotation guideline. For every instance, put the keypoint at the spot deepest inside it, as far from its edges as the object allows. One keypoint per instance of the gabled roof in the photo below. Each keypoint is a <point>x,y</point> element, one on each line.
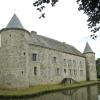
<point>45,42</point>
<point>88,49</point>
<point>14,22</point>
<point>54,44</point>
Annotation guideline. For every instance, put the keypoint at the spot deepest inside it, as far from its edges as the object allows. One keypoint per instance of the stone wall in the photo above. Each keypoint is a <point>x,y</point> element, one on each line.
<point>13,59</point>
<point>47,69</point>
<point>91,66</point>
<point>17,65</point>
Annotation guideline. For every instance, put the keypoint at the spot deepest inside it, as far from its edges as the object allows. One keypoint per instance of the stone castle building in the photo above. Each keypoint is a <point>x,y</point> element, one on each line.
<point>28,59</point>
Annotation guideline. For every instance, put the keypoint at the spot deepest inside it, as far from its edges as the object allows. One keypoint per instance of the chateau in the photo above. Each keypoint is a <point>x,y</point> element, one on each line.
<point>28,59</point>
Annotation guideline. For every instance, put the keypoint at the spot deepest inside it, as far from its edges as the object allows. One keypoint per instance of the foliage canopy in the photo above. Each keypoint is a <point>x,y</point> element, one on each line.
<point>39,5</point>
<point>98,67</point>
<point>90,7</point>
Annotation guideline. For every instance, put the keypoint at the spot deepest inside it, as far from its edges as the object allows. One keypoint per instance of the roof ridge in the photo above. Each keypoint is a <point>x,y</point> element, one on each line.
<point>47,42</point>
<point>54,40</point>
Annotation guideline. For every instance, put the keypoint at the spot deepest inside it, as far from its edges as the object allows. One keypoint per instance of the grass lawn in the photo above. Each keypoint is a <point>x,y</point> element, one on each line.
<point>98,79</point>
<point>35,90</point>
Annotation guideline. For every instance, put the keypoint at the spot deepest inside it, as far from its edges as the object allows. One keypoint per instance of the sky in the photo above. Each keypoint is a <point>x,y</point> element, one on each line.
<point>63,22</point>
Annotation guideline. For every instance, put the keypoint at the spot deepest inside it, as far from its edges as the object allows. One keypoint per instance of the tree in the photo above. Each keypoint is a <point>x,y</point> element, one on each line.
<point>90,7</point>
<point>40,2</point>
<point>39,5</point>
<point>98,67</point>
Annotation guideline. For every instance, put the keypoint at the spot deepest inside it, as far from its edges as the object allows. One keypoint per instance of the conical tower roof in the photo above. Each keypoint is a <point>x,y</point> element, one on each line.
<point>88,49</point>
<point>15,23</point>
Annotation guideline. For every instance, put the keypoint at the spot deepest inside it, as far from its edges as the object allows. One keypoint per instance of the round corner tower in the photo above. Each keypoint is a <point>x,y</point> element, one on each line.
<point>90,63</point>
<point>14,55</point>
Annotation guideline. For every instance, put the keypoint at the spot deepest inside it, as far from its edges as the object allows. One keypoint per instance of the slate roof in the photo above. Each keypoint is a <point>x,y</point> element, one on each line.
<point>88,49</point>
<point>54,44</point>
<point>45,41</point>
<point>14,23</point>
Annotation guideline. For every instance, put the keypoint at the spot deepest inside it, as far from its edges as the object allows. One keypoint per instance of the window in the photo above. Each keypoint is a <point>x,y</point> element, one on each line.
<point>64,61</point>
<point>10,35</point>
<point>70,71</point>
<point>64,70</point>
<point>54,59</point>
<point>69,63</point>
<point>80,64</point>
<point>34,57</point>
<point>81,72</point>
<point>22,72</point>
<point>58,71</point>
<point>74,63</point>
<point>75,72</point>
<point>35,70</point>
<point>24,53</point>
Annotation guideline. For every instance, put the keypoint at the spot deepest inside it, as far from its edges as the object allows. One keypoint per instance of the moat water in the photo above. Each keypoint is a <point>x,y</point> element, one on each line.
<point>85,93</point>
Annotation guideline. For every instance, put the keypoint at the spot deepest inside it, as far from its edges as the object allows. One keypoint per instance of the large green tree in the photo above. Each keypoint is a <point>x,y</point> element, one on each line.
<point>98,67</point>
<point>90,7</point>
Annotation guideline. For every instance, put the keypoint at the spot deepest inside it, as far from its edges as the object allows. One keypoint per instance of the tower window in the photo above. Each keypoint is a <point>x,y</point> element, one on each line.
<point>35,70</point>
<point>22,72</point>
<point>54,60</point>
<point>34,57</point>
<point>64,70</point>
<point>10,35</point>
<point>24,53</point>
<point>58,71</point>
<point>81,72</point>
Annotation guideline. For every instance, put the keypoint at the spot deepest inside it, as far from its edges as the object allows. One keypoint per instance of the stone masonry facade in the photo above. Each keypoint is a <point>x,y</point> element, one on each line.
<point>24,62</point>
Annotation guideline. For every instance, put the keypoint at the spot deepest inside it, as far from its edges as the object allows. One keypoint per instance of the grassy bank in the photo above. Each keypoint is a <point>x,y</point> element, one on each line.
<point>41,89</point>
